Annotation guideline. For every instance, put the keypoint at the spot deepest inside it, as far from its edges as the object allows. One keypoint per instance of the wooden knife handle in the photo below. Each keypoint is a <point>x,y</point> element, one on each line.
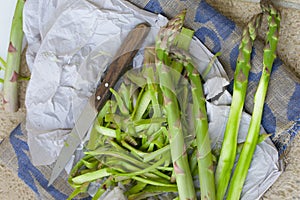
<point>121,63</point>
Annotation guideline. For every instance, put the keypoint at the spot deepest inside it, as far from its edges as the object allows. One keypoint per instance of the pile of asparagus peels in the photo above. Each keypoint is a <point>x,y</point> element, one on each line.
<point>152,137</point>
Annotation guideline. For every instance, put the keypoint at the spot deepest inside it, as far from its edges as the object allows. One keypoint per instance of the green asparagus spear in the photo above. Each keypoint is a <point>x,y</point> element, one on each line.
<point>204,155</point>
<point>249,146</point>
<point>228,151</point>
<point>183,175</point>
<point>10,92</point>
<point>178,150</point>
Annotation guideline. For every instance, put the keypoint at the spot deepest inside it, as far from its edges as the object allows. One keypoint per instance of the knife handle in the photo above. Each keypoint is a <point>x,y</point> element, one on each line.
<point>121,63</point>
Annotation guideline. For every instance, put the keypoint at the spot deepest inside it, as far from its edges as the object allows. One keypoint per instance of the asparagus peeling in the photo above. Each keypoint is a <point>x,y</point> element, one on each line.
<point>229,146</point>
<point>240,173</point>
<point>10,89</point>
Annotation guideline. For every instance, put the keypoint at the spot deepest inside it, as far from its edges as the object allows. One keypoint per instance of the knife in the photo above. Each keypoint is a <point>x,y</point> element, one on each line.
<point>119,65</point>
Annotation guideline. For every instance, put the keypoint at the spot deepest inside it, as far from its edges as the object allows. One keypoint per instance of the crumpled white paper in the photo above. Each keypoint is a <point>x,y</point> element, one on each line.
<point>70,43</point>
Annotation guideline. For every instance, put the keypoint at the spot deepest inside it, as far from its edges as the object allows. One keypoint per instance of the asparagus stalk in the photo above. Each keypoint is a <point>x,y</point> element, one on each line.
<point>178,150</point>
<point>249,146</point>
<point>204,155</point>
<point>183,175</point>
<point>10,88</point>
<point>228,151</point>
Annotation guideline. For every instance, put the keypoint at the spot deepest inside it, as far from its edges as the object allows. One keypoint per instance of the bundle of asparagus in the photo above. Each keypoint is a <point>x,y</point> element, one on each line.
<point>229,146</point>
<point>228,152</point>
<point>240,173</point>
<point>151,142</point>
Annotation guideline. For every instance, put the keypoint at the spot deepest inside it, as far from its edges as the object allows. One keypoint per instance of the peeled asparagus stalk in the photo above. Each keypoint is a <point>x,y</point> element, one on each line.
<point>228,151</point>
<point>241,171</point>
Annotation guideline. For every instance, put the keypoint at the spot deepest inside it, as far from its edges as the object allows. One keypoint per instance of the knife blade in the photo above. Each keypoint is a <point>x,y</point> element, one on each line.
<point>119,65</point>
